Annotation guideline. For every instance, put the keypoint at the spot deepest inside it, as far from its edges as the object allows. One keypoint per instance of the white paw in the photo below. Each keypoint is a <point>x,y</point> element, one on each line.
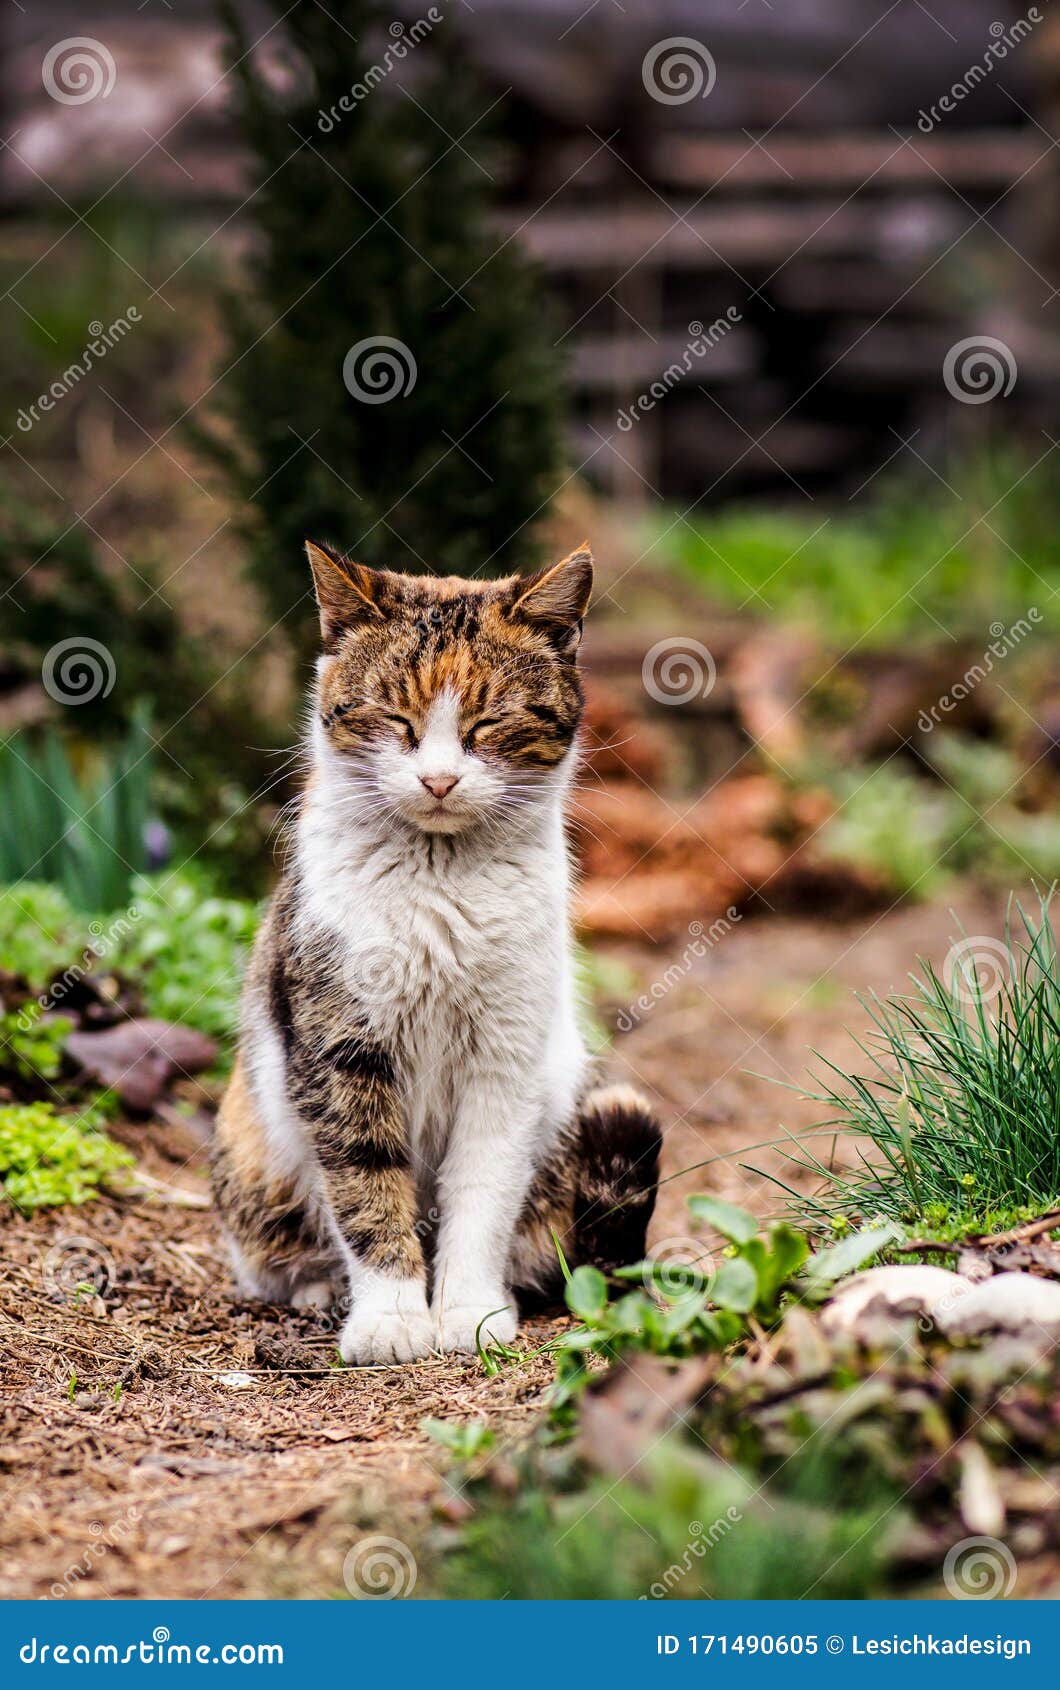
<point>464,1326</point>
<point>378,1337</point>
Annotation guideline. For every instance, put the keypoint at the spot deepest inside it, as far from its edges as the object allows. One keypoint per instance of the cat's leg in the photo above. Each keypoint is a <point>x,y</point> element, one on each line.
<point>350,1095</point>
<point>483,1181</point>
<point>594,1193</point>
<point>278,1250</point>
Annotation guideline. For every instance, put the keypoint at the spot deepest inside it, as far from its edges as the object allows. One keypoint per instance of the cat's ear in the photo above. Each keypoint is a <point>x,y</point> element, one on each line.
<point>556,600</point>
<point>347,593</point>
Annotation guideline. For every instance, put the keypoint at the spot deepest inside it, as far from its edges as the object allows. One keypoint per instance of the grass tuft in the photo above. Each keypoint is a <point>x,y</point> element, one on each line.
<point>961,1103</point>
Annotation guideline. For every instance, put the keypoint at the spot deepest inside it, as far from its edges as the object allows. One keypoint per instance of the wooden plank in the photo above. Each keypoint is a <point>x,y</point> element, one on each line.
<point>603,237</point>
<point>845,159</point>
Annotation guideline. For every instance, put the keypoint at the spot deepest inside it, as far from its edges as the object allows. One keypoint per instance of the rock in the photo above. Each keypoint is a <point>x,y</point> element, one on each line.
<point>236,1381</point>
<point>895,1291</point>
<point>1010,1302</point>
<point>139,1057</point>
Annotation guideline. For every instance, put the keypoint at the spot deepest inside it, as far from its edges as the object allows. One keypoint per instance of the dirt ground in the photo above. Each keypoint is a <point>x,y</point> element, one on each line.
<point>161,1440</point>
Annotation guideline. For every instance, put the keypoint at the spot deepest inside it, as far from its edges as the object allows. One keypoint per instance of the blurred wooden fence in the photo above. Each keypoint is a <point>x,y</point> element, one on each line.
<point>757,285</point>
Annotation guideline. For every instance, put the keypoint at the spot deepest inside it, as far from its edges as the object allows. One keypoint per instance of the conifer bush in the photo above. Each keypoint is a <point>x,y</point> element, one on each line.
<point>391,381</point>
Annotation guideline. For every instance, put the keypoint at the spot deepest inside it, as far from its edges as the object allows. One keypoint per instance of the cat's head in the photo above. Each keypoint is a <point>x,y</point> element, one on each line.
<point>442,703</point>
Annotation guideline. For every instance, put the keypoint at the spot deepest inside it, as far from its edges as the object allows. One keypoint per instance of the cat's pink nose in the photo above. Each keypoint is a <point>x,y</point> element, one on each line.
<point>439,784</point>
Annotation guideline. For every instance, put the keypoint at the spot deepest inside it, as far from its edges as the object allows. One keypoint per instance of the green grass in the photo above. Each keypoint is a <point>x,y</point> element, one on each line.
<point>910,559</point>
<point>959,1109</point>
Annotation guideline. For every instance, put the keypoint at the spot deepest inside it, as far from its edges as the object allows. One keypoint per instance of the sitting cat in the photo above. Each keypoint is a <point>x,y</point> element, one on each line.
<point>411,1111</point>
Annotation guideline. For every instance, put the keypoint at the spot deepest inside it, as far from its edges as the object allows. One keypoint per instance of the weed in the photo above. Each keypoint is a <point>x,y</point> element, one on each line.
<point>692,1528</point>
<point>463,1439</point>
<point>35,1051</point>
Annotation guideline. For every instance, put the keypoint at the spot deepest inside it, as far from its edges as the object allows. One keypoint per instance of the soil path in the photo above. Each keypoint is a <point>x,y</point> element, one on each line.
<point>162,1441</point>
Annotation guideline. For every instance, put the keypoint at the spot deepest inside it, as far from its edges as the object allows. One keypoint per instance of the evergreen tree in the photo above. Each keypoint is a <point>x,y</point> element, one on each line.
<point>438,443</point>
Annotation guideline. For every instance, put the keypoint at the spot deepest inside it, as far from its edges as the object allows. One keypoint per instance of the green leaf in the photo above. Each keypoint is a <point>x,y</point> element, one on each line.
<point>827,1266</point>
<point>735,1286</point>
<point>732,1222</point>
<point>586,1293</point>
<point>787,1251</point>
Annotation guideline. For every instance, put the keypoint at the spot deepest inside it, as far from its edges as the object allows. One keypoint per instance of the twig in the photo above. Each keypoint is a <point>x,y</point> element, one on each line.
<point>1019,1234</point>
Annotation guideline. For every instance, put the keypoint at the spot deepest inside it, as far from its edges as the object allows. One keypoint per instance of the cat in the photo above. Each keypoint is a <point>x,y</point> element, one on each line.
<point>411,1121</point>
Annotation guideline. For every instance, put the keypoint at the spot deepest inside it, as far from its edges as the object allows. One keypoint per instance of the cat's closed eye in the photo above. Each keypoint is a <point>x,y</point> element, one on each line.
<point>407,729</point>
<point>480,727</point>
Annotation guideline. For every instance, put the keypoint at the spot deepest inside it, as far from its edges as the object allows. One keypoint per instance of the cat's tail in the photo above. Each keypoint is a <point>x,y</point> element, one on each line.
<point>617,1176</point>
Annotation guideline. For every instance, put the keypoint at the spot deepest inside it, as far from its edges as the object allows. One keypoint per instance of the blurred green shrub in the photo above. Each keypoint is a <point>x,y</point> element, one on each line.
<point>187,950</point>
<point>917,833</point>
<point>181,945</point>
<point>375,230</point>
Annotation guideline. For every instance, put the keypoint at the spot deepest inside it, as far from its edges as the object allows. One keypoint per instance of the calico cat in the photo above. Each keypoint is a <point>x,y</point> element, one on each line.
<point>411,1116</point>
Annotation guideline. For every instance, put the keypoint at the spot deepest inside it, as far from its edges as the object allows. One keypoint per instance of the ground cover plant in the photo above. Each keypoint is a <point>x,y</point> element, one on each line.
<point>48,1159</point>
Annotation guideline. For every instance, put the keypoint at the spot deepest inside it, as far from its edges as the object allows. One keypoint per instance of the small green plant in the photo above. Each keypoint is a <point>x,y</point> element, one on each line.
<point>40,931</point>
<point>183,946</point>
<point>47,1160</point>
<point>961,1103</point>
<point>677,1310</point>
<point>463,1439</point>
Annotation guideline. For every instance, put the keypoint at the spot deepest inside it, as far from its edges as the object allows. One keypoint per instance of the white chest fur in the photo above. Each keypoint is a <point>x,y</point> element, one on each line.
<point>456,952</point>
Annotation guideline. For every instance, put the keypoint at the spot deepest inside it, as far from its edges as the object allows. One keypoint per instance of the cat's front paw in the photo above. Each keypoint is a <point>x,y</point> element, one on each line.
<point>374,1336</point>
<point>464,1326</point>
